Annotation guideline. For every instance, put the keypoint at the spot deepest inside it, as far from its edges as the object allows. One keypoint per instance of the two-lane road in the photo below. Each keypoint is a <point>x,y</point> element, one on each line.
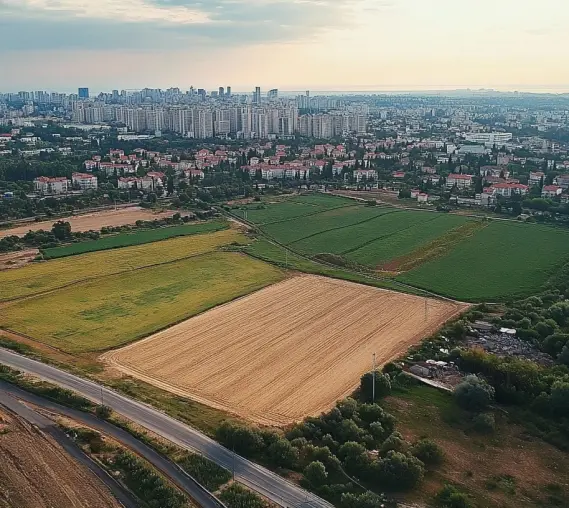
<point>254,476</point>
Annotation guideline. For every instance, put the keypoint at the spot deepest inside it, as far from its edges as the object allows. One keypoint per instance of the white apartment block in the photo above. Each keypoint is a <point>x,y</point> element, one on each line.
<point>84,181</point>
<point>46,185</point>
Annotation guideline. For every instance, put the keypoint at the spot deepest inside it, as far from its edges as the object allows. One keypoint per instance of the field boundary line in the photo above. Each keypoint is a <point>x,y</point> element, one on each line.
<point>343,227</point>
<point>307,215</point>
<point>365,244</point>
<point>95,277</point>
<point>395,282</point>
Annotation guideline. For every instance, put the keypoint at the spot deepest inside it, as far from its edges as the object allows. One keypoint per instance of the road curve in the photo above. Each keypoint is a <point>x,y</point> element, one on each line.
<point>48,427</point>
<point>11,396</point>
<point>256,477</point>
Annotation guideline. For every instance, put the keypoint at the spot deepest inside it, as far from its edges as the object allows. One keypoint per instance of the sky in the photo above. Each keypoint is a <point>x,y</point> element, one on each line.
<point>376,45</point>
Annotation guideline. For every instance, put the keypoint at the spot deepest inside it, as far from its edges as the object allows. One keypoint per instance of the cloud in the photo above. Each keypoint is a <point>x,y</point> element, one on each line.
<point>167,24</point>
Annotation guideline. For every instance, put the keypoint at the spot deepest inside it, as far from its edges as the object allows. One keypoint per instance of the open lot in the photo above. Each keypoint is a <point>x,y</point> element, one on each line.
<point>285,352</point>
<point>92,221</point>
<point>49,275</point>
<point>37,473</point>
<point>113,310</point>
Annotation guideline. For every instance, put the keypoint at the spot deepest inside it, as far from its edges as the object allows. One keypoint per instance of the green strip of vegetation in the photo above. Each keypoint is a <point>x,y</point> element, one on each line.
<point>237,496</point>
<point>207,473</point>
<point>130,239</point>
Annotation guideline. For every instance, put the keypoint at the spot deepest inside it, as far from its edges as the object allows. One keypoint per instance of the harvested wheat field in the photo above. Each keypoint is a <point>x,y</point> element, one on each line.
<point>92,221</point>
<point>288,351</point>
<point>37,473</point>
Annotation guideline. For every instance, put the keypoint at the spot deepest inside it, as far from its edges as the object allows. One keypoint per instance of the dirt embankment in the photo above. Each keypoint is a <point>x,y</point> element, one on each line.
<point>37,473</point>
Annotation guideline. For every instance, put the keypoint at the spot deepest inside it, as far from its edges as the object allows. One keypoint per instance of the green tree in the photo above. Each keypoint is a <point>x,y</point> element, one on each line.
<point>316,473</point>
<point>282,453</point>
<point>398,471</point>
<point>366,500</point>
<point>451,497</point>
<point>61,230</point>
<point>382,385</point>
<point>428,452</point>
<point>474,394</point>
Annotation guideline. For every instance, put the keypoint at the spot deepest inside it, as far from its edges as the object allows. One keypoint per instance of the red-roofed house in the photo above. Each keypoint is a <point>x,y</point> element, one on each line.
<point>508,189</point>
<point>84,181</point>
<point>46,185</point>
<point>551,191</point>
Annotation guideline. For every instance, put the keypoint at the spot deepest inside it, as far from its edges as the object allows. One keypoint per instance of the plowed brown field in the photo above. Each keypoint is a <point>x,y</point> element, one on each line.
<point>286,352</point>
<point>91,221</point>
<point>37,473</point>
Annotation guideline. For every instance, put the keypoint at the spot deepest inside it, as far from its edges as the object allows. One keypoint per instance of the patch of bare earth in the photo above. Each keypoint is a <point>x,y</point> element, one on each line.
<point>286,352</point>
<point>92,221</point>
<point>37,473</point>
<point>17,259</point>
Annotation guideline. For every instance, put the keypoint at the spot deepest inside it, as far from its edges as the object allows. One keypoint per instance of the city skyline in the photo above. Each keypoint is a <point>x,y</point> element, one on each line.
<point>345,45</point>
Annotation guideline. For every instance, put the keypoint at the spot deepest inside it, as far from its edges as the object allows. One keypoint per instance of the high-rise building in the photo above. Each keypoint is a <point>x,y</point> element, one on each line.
<point>228,91</point>
<point>221,91</point>
<point>273,94</point>
<point>257,95</point>
<point>83,93</point>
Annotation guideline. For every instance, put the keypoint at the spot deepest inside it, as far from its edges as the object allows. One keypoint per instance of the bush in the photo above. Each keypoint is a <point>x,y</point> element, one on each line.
<point>316,473</point>
<point>450,497</point>
<point>281,453</point>
<point>354,458</point>
<point>103,412</point>
<point>236,496</point>
<point>367,500</point>
<point>394,442</point>
<point>428,452</point>
<point>398,471</point>
<point>382,385</point>
<point>474,394</point>
<point>205,471</point>
<point>484,423</point>
<point>244,440</point>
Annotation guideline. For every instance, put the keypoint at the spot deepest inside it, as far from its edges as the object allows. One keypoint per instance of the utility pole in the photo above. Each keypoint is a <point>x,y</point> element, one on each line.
<point>234,460</point>
<point>373,380</point>
<point>286,258</point>
<point>102,400</point>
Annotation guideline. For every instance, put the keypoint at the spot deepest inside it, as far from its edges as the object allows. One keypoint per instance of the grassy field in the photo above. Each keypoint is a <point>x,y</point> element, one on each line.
<point>46,276</point>
<point>504,260</point>
<point>291,207</point>
<point>135,238</point>
<point>117,309</point>
<point>524,471</point>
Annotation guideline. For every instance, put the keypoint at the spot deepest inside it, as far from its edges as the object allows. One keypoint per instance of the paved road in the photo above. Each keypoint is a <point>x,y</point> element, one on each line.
<point>47,426</point>
<point>10,394</point>
<point>254,476</point>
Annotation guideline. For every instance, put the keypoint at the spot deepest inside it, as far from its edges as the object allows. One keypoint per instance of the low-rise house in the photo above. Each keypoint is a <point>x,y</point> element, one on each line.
<point>551,191</point>
<point>84,181</point>
<point>509,189</point>
<point>562,181</point>
<point>460,181</point>
<point>422,197</point>
<point>535,178</point>
<point>368,175</point>
<point>46,185</point>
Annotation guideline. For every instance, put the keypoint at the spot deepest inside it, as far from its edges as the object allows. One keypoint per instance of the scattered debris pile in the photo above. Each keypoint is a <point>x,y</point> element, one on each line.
<point>445,374</point>
<point>503,343</point>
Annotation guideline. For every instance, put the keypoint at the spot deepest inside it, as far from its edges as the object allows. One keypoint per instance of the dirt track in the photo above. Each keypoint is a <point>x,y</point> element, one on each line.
<point>92,221</point>
<point>286,352</point>
<point>37,473</point>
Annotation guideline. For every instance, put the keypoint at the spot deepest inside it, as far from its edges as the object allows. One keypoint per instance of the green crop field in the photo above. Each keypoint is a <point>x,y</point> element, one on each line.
<point>117,309</point>
<point>135,238</point>
<point>297,206</point>
<point>348,239</point>
<point>405,241</point>
<point>49,275</point>
<point>504,260</point>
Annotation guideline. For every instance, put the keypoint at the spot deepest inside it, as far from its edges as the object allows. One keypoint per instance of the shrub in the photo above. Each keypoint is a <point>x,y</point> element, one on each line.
<point>394,442</point>
<point>484,423</point>
<point>428,452</point>
<point>398,471</point>
<point>237,496</point>
<point>382,385</point>
<point>205,471</point>
<point>450,497</point>
<point>244,440</point>
<point>103,412</point>
<point>367,500</point>
<point>474,394</point>
<point>281,453</point>
<point>316,473</point>
<point>354,458</point>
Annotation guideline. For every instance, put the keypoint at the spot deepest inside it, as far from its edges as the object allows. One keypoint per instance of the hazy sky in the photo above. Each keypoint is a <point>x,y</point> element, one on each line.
<point>288,44</point>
